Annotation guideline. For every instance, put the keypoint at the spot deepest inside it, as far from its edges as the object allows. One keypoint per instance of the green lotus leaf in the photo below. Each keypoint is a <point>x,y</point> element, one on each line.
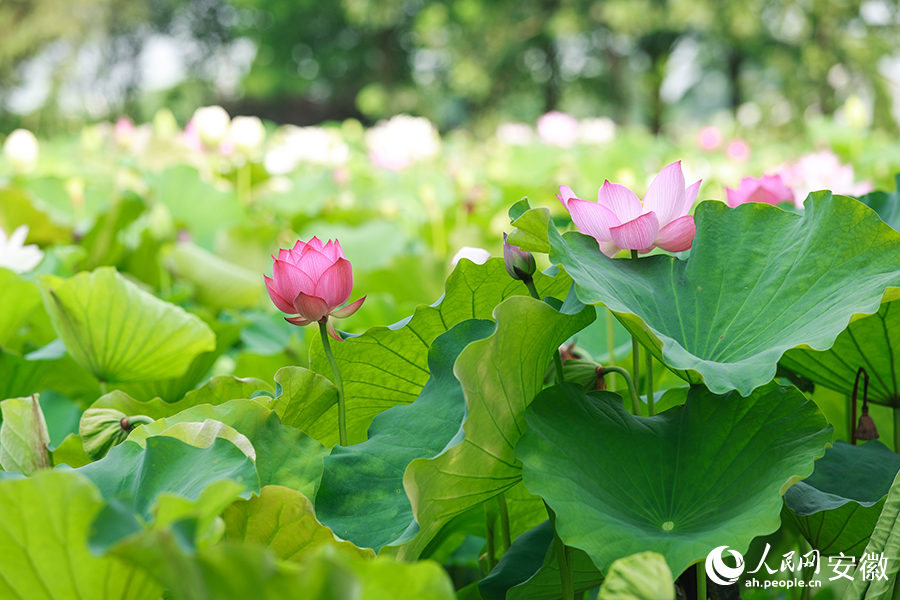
<point>136,477</point>
<point>201,435</point>
<point>836,507</point>
<point>284,455</point>
<point>358,496</point>
<point>20,208</point>
<point>529,570</point>
<point>387,366</point>
<point>21,302</point>
<point>697,476</point>
<point>24,439</point>
<point>866,342</point>
<point>500,376</point>
<point>884,544</point>
<point>886,204</point>
<point>284,521</point>
<point>219,283</point>
<point>120,333</point>
<point>642,576</point>
<point>802,278</point>
<point>45,521</point>
<point>304,397</point>
<point>70,452</point>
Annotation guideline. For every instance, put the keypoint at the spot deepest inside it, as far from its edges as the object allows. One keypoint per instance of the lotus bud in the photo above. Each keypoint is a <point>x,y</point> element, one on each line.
<point>866,429</point>
<point>247,134</point>
<point>21,150</point>
<point>102,428</point>
<point>519,264</point>
<point>212,124</point>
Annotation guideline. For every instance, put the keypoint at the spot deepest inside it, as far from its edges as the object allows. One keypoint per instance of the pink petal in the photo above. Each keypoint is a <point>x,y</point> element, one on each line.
<point>279,301</point>
<point>609,249</point>
<point>336,283</point>
<point>297,320</point>
<point>592,218</point>
<point>290,280</point>
<point>314,263</point>
<point>316,243</point>
<point>775,185</point>
<point>565,194</point>
<point>340,251</point>
<point>333,250</point>
<point>733,197</point>
<point>311,308</point>
<point>332,332</point>
<point>666,194</point>
<point>620,200</point>
<point>690,196</point>
<point>636,234</point>
<point>678,235</point>
<point>343,313</point>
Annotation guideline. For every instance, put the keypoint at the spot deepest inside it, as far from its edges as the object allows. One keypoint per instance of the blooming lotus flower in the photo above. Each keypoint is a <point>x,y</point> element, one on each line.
<point>21,150</point>
<point>311,280</point>
<point>247,134</point>
<point>211,123</point>
<point>401,141</point>
<point>738,150</point>
<point>15,255</point>
<point>619,220</point>
<point>821,171</point>
<point>558,129</point>
<point>709,138</point>
<point>769,189</point>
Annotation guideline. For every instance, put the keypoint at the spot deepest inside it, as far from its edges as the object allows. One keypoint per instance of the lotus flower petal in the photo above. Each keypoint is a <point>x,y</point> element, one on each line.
<point>565,194</point>
<point>620,200</point>
<point>636,234</point>
<point>290,280</point>
<point>297,321</point>
<point>678,235</point>
<point>277,299</point>
<point>311,308</point>
<point>343,313</point>
<point>690,195</point>
<point>336,283</point>
<point>666,195</point>
<point>593,219</point>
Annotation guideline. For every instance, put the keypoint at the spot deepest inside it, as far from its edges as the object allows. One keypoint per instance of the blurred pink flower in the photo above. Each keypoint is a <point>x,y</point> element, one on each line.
<point>123,132</point>
<point>312,280</point>
<point>738,150</point>
<point>558,129</point>
<point>401,141</point>
<point>821,171</point>
<point>191,137</point>
<point>769,189</point>
<point>620,220</point>
<point>709,138</point>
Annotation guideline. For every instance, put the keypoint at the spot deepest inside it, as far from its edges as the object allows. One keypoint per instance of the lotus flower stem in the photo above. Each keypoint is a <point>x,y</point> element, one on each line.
<point>338,382</point>
<point>557,360</point>
<point>632,390</point>
<point>611,346</point>
<point>104,388</point>
<point>491,545</point>
<point>897,432</point>
<point>563,557</point>
<point>651,400</point>
<point>701,581</point>
<point>636,356</point>
<point>504,522</point>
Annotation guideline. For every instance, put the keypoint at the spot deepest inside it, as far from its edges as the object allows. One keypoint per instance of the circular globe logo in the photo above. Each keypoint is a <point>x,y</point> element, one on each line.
<point>718,571</point>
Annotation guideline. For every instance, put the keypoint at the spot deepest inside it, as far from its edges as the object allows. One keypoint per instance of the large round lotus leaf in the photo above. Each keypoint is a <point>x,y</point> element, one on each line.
<point>120,333</point>
<point>387,366</point>
<point>45,522</point>
<point>759,281</point>
<point>697,476</point>
<point>837,506</point>
<point>872,342</point>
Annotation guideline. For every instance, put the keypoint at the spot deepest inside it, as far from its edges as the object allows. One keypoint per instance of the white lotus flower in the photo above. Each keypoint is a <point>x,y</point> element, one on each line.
<point>212,124</point>
<point>292,146</point>
<point>479,256</point>
<point>247,134</point>
<point>401,141</point>
<point>14,255</point>
<point>21,150</point>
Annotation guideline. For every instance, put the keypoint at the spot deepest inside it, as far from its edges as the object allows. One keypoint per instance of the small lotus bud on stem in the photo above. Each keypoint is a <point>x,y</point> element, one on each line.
<point>519,264</point>
<point>600,373</point>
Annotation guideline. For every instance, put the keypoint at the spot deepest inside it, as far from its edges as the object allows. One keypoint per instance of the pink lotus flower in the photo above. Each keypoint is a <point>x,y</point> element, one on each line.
<point>312,280</point>
<point>738,150</point>
<point>558,129</point>
<point>619,220</point>
<point>709,138</point>
<point>821,171</point>
<point>769,189</point>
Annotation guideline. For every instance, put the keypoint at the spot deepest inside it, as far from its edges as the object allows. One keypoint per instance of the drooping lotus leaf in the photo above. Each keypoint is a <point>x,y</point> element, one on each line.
<point>120,333</point>
<point>884,544</point>
<point>304,397</point>
<point>284,455</point>
<point>886,204</point>
<point>45,521</point>
<point>759,281</point>
<point>284,521</point>
<point>836,507</point>
<point>201,435</point>
<point>872,342</point>
<point>641,576</point>
<point>529,570</point>
<point>358,496</point>
<point>500,376</point>
<point>219,283</point>
<point>695,477</point>
<point>24,439</point>
<point>136,476</point>
<point>386,366</point>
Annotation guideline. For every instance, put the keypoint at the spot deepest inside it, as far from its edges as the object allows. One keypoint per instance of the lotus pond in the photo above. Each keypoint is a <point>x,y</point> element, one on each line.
<point>349,368</point>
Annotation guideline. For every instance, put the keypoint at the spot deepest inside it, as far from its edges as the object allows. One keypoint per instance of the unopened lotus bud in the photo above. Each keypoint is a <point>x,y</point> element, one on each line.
<point>866,429</point>
<point>519,264</point>
<point>581,372</point>
<point>102,428</point>
<point>21,150</point>
<point>212,124</point>
<point>247,134</point>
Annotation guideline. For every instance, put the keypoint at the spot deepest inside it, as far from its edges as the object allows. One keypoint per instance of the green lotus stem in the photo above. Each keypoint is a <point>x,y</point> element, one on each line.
<point>632,389</point>
<point>701,581</point>
<point>636,354</point>
<point>504,522</point>
<point>338,382</point>
<point>651,401</point>
<point>896,430</point>
<point>611,346</point>
<point>562,557</point>
<point>491,547</point>
<point>529,283</point>
<point>104,388</point>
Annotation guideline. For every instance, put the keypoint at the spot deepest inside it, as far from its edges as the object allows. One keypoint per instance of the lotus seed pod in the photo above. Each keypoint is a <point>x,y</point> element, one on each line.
<point>102,428</point>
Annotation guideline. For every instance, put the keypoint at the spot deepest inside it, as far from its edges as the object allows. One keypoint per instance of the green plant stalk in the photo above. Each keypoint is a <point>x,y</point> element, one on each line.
<point>632,389</point>
<point>636,356</point>
<point>244,184</point>
<point>338,382</point>
<point>651,401</point>
<point>896,430</point>
<point>562,557</point>
<point>104,387</point>
<point>557,360</point>
<point>491,546</point>
<point>701,581</point>
<point>504,522</point>
<point>611,346</point>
